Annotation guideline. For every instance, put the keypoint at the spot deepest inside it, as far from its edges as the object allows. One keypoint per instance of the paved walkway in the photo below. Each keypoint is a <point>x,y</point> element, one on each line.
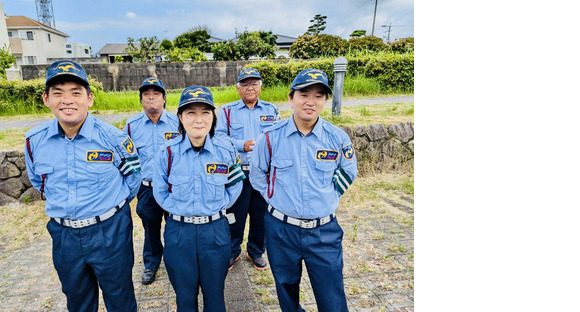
<point>7,124</point>
<point>378,271</point>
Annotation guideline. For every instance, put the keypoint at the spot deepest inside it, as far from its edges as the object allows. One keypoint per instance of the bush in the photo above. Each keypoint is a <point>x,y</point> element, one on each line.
<point>405,45</point>
<point>367,43</point>
<point>393,71</point>
<point>24,97</point>
<point>308,46</point>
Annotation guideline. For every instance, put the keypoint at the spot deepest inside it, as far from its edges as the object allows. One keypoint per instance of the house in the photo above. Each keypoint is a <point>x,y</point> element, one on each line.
<point>77,50</point>
<point>4,41</point>
<point>32,42</point>
<point>284,42</point>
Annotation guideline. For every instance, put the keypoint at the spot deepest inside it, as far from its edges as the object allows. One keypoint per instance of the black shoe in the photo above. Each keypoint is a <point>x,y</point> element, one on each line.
<point>233,261</point>
<point>259,263</point>
<point>148,276</point>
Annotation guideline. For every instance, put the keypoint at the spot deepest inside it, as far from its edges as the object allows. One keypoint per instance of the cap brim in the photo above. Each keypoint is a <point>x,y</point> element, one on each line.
<point>70,76</point>
<point>250,76</point>
<point>308,84</point>
<point>151,86</point>
<point>197,101</point>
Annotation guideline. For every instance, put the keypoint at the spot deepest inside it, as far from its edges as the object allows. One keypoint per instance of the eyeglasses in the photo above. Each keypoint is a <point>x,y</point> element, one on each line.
<point>254,84</point>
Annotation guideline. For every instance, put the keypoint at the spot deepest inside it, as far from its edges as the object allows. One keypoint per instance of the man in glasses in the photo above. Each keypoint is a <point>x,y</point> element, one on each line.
<point>242,121</point>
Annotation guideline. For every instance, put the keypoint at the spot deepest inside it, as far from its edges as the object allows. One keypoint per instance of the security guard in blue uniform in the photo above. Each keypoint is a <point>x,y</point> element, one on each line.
<point>149,130</point>
<point>88,171</point>
<point>243,121</point>
<point>197,177</point>
<point>302,165</point>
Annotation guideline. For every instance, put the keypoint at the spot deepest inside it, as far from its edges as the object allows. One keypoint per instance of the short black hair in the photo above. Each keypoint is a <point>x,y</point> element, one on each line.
<point>213,124</point>
<point>66,78</point>
<point>154,87</point>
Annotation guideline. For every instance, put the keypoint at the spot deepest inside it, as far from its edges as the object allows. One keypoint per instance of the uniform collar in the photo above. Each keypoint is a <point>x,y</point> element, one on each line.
<point>86,129</point>
<point>207,145</point>
<point>241,104</point>
<point>291,127</point>
<point>162,118</point>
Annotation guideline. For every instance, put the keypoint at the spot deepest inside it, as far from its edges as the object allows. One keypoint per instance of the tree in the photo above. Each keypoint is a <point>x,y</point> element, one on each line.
<point>308,46</point>
<point>166,44</point>
<point>144,50</point>
<point>251,44</point>
<point>226,51</point>
<point>194,37</point>
<point>6,60</point>
<point>317,26</point>
<point>367,43</point>
<point>186,54</point>
<point>358,33</point>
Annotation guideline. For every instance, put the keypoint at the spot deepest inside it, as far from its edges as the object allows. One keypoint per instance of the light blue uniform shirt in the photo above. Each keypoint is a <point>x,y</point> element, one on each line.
<point>82,179</point>
<point>245,124</point>
<point>197,179</point>
<point>148,137</point>
<point>305,165</point>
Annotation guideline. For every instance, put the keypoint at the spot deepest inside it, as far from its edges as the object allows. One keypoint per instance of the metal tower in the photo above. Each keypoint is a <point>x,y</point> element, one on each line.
<point>44,12</point>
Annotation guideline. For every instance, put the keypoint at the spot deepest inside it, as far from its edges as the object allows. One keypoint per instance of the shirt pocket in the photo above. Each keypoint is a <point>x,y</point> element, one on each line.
<point>181,187</point>
<point>236,130</point>
<point>98,176</point>
<point>283,171</point>
<point>48,170</point>
<point>142,150</point>
<point>324,172</point>
<point>215,187</point>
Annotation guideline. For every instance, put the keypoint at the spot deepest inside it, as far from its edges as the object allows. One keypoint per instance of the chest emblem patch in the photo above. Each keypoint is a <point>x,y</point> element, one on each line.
<point>326,155</point>
<point>267,118</point>
<point>100,156</point>
<point>171,135</point>
<point>214,168</point>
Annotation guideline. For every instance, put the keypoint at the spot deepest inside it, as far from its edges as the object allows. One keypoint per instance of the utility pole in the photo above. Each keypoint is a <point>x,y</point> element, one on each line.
<point>389,33</point>
<point>374,17</point>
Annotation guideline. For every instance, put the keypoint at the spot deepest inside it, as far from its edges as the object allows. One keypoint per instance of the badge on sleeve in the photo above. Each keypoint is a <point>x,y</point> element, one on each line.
<point>348,151</point>
<point>215,168</point>
<point>100,156</point>
<point>238,159</point>
<point>171,135</point>
<point>129,146</point>
<point>326,154</point>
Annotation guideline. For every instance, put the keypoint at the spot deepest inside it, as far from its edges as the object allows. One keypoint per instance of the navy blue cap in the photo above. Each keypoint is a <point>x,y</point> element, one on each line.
<point>196,94</point>
<point>308,77</point>
<point>249,73</point>
<point>66,68</point>
<point>152,82</point>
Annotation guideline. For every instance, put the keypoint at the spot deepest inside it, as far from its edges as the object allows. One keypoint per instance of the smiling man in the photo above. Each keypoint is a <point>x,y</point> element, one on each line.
<point>302,165</point>
<point>149,130</point>
<point>88,171</point>
<point>242,121</point>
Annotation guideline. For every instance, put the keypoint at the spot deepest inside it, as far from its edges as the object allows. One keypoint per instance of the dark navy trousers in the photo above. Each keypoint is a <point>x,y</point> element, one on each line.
<point>93,256</point>
<point>321,250</point>
<point>197,255</point>
<point>151,215</point>
<point>253,204</point>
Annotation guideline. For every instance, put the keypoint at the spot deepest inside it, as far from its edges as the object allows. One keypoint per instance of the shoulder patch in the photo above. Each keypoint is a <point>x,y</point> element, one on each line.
<point>100,156</point>
<point>326,155</point>
<point>238,159</point>
<point>129,146</point>
<point>216,168</point>
<point>348,151</point>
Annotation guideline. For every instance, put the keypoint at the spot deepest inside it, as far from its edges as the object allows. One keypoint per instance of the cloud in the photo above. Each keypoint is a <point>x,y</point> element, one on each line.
<point>131,15</point>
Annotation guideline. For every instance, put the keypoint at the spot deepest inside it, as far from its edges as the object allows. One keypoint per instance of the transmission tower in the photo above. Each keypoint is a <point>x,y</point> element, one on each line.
<point>44,12</point>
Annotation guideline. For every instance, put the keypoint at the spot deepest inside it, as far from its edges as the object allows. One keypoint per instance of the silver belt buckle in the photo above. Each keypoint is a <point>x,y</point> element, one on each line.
<point>246,167</point>
<point>308,224</point>
<point>76,224</point>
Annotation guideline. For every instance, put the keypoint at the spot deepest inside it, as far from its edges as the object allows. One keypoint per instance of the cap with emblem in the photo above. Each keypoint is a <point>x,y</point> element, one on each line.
<point>196,94</point>
<point>308,77</point>
<point>152,82</point>
<point>249,73</point>
<point>66,68</point>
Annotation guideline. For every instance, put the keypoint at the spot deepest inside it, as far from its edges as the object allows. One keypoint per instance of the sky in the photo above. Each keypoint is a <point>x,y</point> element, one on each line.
<point>99,22</point>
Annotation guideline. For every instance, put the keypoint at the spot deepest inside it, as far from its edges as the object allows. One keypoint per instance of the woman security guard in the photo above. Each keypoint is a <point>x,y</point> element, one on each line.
<point>196,179</point>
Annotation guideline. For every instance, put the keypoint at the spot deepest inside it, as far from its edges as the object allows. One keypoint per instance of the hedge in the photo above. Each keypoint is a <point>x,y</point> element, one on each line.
<point>393,71</point>
<point>28,93</point>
